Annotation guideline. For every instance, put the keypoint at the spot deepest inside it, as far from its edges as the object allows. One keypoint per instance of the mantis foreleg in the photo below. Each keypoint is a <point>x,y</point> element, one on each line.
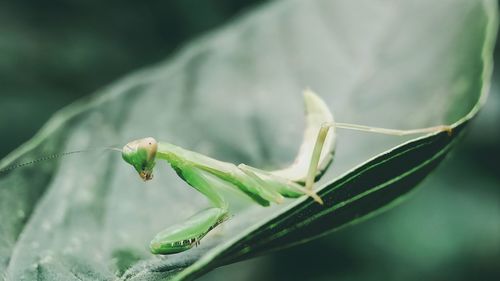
<point>184,236</point>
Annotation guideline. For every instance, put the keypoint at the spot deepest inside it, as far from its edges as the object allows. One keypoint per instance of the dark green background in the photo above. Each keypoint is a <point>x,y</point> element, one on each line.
<point>54,52</point>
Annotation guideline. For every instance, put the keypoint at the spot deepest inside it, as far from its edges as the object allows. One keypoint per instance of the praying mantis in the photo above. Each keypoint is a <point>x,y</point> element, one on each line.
<point>208,175</point>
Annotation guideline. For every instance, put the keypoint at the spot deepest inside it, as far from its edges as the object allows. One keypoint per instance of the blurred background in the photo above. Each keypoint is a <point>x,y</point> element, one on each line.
<point>55,52</point>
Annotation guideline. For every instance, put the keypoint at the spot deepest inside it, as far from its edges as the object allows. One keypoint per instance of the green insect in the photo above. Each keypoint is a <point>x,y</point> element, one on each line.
<point>209,176</point>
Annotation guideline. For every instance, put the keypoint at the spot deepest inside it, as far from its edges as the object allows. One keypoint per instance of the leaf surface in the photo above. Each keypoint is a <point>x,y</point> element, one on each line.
<point>236,95</point>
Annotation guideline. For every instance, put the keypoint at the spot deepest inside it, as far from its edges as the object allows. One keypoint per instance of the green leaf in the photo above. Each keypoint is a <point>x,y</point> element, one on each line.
<point>236,95</point>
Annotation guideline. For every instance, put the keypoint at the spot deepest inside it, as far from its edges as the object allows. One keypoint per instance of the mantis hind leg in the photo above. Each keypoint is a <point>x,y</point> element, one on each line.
<point>184,236</point>
<point>325,127</point>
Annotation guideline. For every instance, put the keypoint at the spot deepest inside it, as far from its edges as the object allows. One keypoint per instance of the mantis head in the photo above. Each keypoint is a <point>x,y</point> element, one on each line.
<point>141,155</point>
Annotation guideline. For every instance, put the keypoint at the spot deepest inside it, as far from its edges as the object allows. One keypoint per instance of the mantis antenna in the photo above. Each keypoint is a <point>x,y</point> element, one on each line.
<point>51,157</point>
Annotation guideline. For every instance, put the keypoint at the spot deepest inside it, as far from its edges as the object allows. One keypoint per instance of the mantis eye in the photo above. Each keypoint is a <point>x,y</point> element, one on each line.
<point>146,175</point>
